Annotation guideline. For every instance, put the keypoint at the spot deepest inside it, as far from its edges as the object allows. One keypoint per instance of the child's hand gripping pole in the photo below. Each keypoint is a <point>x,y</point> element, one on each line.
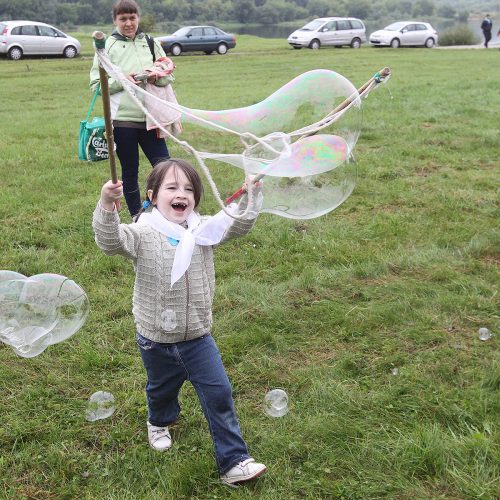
<point>99,44</point>
<point>242,190</point>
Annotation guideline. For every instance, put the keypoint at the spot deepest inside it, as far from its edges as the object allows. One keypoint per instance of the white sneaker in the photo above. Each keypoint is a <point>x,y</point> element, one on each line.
<point>244,471</point>
<point>159,437</point>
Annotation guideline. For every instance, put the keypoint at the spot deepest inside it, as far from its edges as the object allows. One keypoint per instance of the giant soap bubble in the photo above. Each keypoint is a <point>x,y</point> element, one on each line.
<point>300,139</point>
<point>39,311</point>
<point>303,150</point>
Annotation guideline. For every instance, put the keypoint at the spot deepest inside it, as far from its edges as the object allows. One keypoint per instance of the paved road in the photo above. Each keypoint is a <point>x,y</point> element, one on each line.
<point>495,45</point>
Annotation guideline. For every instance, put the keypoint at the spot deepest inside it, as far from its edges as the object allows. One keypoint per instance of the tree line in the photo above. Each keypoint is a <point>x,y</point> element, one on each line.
<point>159,12</point>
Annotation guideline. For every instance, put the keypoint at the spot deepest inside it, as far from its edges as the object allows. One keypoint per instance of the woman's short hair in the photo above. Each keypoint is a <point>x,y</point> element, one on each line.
<point>125,7</point>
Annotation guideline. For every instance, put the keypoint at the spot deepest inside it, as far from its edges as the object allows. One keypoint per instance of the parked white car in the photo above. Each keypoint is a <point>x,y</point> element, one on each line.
<point>334,31</point>
<point>18,38</point>
<point>409,33</point>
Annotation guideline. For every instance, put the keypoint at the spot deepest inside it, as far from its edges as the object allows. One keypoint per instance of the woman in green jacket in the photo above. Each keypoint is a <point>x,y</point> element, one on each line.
<point>133,51</point>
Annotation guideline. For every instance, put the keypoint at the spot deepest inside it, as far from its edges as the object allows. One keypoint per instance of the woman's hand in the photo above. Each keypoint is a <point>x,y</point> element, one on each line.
<point>132,79</point>
<point>111,194</point>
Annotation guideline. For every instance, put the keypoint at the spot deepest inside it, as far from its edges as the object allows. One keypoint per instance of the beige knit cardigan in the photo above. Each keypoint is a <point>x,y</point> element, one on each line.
<point>161,313</point>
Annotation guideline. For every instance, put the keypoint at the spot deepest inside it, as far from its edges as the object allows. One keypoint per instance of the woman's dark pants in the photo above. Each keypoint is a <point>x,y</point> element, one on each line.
<point>127,142</point>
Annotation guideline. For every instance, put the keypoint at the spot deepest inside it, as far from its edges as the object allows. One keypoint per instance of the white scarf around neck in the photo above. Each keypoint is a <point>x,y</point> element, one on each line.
<point>207,233</point>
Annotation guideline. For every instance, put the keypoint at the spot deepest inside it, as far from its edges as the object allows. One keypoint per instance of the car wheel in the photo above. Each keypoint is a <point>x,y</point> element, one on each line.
<point>395,43</point>
<point>208,52</point>
<point>429,43</point>
<point>176,50</point>
<point>15,53</point>
<point>222,48</point>
<point>356,43</point>
<point>315,45</point>
<point>69,52</point>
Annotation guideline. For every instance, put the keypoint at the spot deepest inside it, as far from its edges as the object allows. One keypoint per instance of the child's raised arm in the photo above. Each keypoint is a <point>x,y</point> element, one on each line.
<point>110,194</point>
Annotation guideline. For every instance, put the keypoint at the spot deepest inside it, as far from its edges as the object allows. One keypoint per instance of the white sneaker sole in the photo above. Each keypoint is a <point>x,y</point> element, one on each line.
<point>242,479</point>
<point>160,449</point>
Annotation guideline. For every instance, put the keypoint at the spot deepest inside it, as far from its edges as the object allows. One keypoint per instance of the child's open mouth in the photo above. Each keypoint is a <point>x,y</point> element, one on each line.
<point>179,207</point>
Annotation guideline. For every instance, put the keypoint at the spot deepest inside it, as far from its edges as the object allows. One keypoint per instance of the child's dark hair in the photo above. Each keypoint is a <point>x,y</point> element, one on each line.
<point>155,179</point>
<point>125,7</point>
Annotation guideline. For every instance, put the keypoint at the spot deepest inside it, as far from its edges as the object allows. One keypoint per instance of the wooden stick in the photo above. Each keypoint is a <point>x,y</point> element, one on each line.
<point>382,74</point>
<point>99,43</point>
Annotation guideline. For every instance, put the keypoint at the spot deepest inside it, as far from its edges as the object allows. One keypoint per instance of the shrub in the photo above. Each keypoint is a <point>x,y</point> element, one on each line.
<point>458,35</point>
<point>148,22</point>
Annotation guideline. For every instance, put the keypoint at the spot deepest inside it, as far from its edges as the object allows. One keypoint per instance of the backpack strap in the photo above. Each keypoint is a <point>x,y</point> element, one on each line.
<point>151,43</point>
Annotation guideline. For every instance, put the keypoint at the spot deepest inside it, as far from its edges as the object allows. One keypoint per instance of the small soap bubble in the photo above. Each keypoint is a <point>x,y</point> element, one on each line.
<point>276,403</point>
<point>168,320</point>
<point>484,334</point>
<point>394,371</point>
<point>6,275</point>
<point>39,311</point>
<point>100,405</point>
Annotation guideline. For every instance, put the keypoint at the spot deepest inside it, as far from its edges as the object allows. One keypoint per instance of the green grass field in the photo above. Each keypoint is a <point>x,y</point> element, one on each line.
<point>402,275</point>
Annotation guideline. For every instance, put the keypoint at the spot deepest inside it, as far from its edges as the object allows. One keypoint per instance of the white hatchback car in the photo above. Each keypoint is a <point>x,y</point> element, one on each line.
<point>334,31</point>
<point>18,38</point>
<point>410,33</point>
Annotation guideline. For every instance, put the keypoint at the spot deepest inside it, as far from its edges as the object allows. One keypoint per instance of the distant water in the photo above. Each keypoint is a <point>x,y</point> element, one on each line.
<point>271,31</point>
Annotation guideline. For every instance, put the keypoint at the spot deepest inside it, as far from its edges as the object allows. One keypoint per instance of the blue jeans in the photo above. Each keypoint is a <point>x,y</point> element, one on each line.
<point>168,366</point>
<point>127,142</point>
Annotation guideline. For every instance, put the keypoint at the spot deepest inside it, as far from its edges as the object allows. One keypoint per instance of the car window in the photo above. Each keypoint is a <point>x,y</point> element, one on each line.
<point>196,32</point>
<point>16,30</point>
<point>313,25</point>
<point>181,32</point>
<point>343,25</point>
<point>29,30</point>
<point>394,27</point>
<point>410,27</point>
<point>331,26</point>
<point>46,31</point>
<point>209,31</point>
<point>356,25</point>
<point>421,27</point>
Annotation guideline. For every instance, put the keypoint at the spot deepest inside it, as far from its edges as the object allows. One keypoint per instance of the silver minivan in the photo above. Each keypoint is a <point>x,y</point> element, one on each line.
<point>18,38</point>
<point>336,31</point>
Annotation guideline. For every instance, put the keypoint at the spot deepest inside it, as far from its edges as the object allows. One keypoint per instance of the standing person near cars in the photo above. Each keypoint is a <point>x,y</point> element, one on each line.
<point>487,26</point>
<point>172,250</point>
<point>133,51</point>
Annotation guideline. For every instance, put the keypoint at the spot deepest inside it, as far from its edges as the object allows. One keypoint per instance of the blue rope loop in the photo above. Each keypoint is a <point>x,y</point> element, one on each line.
<point>377,77</point>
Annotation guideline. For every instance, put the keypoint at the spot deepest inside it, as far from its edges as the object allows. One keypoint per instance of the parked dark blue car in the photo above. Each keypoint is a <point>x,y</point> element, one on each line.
<point>197,38</point>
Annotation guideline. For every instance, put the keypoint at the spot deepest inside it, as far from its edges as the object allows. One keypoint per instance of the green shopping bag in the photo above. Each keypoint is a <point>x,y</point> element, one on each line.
<point>92,144</point>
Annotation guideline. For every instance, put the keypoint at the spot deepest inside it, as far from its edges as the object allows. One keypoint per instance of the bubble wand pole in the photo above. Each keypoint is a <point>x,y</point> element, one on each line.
<point>99,44</point>
<point>379,77</point>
